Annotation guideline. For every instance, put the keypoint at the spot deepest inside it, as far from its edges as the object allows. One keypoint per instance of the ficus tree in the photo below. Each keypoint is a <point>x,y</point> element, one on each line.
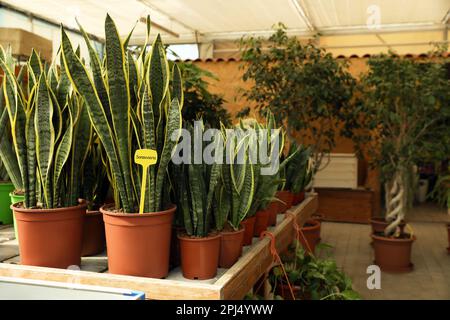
<point>302,84</point>
<point>403,112</point>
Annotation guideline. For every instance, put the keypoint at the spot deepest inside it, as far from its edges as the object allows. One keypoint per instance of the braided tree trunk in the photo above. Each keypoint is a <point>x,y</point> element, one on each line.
<point>395,203</point>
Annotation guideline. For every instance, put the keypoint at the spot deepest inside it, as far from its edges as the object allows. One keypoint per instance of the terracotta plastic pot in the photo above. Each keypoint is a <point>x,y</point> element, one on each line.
<point>311,231</point>
<point>393,254</point>
<point>273,212</point>
<point>199,256</point>
<point>138,244</point>
<point>249,229</point>
<point>175,257</point>
<point>230,247</point>
<point>16,198</point>
<point>284,291</point>
<point>50,237</point>
<point>298,197</point>
<point>94,241</point>
<point>6,216</point>
<point>261,222</point>
<point>287,198</point>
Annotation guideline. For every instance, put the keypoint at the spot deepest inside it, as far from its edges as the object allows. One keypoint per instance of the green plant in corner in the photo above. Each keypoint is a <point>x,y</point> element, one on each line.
<point>298,172</point>
<point>131,106</point>
<point>48,129</point>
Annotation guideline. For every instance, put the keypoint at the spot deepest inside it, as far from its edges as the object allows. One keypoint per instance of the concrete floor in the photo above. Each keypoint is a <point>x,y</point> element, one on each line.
<point>430,278</point>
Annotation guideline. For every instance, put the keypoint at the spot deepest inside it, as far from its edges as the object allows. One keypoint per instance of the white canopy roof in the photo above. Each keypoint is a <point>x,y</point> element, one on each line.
<point>190,21</point>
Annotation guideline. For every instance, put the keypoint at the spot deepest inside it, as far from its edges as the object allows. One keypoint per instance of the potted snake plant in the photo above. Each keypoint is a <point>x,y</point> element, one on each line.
<point>133,103</point>
<point>234,196</point>
<point>45,126</point>
<point>94,189</point>
<point>11,184</point>
<point>194,187</point>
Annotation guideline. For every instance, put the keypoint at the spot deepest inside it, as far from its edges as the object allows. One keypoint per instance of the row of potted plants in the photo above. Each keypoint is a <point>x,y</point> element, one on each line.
<point>75,131</point>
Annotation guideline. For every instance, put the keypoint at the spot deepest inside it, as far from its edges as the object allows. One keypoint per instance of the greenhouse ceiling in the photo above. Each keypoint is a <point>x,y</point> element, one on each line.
<point>196,21</point>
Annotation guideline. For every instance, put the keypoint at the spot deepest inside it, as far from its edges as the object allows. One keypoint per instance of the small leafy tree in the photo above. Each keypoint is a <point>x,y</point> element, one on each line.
<point>199,102</point>
<point>403,114</point>
<point>301,84</point>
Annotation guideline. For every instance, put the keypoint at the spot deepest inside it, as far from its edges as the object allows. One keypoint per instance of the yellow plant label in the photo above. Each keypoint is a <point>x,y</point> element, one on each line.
<point>145,157</point>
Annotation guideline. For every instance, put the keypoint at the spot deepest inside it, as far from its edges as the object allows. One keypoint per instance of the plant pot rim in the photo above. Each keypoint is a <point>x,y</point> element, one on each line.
<point>93,212</point>
<point>315,224</point>
<point>241,230</point>
<point>396,240</point>
<point>284,191</point>
<point>249,218</point>
<point>15,207</point>
<point>198,239</point>
<point>12,194</point>
<point>105,210</point>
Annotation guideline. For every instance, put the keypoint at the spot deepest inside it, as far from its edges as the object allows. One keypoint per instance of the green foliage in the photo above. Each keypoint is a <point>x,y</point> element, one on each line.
<point>199,102</point>
<point>298,171</point>
<point>48,130</point>
<point>304,86</point>
<point>132,106</point>
<point>194,187</point>
<point>403,113</point>
<point>8,161</point>
<point>441,191</point>
<point>317,278</point>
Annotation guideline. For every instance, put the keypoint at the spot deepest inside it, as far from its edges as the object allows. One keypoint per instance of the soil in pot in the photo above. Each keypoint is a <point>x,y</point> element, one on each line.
<point>311,232</point>
<point>230,246</point>
<point>273,212</point>
<point>286,197</point>
<point>138,244</point>
<point>261,222</point>
<point>50,237</point>
<point>16,198</point>
<point>249,229</point>
<point>393,254</point>
<point>94,241</point>
<point>6,216</point>
<point>199,256</point>
<point>298,197</point>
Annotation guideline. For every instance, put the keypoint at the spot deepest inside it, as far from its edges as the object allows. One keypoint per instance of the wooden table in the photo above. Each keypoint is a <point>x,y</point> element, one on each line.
<point>233,283</point>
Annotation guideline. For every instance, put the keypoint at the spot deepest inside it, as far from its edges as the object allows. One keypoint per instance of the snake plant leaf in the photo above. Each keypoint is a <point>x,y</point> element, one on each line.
<point>35,67</point>
<point>96,68</point>
<point>82,82</point>
<point>133,79</point>
<point>30,135</point>
<point>196,188</point>
<point>61,156</point>
<point>119,99</point>
<point>173,129</point>
<point>81,143</point>
<point>177,84</point>
<point>246,196</point>
<point>127,39</point>
<point>7,154</point>
<point>45,138</point>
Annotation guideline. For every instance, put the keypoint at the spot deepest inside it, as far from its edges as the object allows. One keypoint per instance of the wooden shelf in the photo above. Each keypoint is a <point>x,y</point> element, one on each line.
<point>231,283</point>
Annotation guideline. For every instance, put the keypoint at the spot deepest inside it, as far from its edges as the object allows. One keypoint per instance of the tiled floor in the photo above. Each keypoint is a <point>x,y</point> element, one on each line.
<point>430,278</point>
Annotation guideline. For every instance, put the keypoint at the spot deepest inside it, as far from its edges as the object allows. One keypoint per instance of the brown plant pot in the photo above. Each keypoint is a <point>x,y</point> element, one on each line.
<point>175,256</point>
<point>283,291</point>
<point>50,237</point>
<point>138,244</point>
<point>298,197</point>
<point>199,256</point>
<point>393,254</point>
<point>273,212</point>
<point>94,241</point>
<point>249,228</point>
<point>311,231</point>
<point>261,222</point>
<point>287,198</point>
<point>230,247</point>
